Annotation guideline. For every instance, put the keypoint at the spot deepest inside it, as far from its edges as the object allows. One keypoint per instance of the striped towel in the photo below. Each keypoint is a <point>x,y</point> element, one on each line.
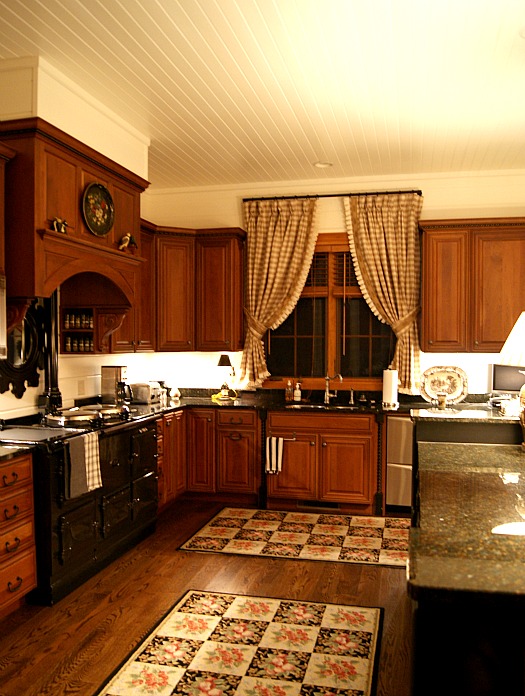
<point>274,454</point>
<point>84,465</point>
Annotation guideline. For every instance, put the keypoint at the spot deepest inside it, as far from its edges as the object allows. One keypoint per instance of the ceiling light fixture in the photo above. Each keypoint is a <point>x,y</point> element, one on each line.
<point>323,165</point>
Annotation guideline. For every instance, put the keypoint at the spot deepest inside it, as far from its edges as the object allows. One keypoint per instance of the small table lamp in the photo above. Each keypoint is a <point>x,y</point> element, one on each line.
<point>224,361</point>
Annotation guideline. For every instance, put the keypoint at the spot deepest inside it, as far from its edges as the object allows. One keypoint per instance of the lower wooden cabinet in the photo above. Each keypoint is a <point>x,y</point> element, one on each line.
<point>201,450</point>
<point>237,451</point>
<point>17,532</point>
<point>326,459</point>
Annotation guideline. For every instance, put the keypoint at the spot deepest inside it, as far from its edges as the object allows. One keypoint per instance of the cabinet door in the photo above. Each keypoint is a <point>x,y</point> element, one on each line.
<point>298,478</point>
<point>445,298</point>
<point>498,286</point>
<point>175,454</point>
<point>347,469</point>
<point>201,450</point>
<point>61,190</point>
<point>236,460</point>
<point>219,294</point>
<point>175,293</point>
<point>137,333</point>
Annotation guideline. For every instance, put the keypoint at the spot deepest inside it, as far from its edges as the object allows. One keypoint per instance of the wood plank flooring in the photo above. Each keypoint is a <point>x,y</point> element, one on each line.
<point>71,647</point>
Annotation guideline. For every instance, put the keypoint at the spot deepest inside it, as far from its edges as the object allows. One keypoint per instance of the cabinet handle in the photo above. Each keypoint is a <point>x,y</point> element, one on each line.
<point>234,422</point>
<point>14,476</point>
<point>324,444</point>
<point>14,588</point>
<point>9,548</point>
<point>16,510</point>
<point>235,436</point>
<point>209,420</point>
<point>312,443</point>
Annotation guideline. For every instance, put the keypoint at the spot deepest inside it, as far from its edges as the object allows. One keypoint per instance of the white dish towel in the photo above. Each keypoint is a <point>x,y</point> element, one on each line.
<point>274,454</point>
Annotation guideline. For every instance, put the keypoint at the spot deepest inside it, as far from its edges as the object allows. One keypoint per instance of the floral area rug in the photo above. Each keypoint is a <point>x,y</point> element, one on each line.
<point>312,536</point>
<point>224,644</point>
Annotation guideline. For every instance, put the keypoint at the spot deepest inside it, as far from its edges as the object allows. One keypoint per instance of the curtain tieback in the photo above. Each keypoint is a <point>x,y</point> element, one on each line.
<point>402,326</point>
<point>254,325</point>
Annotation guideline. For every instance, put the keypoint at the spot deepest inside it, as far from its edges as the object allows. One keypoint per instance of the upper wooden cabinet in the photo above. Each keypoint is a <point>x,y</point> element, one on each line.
<point>137,333</point>
<point>200,289</point>
<point>472,283</point>
<point>175,296</point>
<point>219,287</point>
<point>45,181</point>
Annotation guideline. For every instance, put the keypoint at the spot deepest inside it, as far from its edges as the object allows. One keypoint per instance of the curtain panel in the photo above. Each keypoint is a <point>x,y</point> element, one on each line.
<point>281,239</point>
<point>384,242</point>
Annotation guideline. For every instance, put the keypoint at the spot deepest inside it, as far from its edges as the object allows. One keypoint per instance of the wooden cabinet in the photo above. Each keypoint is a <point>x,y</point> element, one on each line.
<point>171,448</point>
<point>137,332</point>
<point>200,286</point>
<point>326,459</point>
<point>46,181</point>
<point>201,450</point>
<point>175,296</point>
<point>17,534</point>
<point>219,290</point>
<point>472,283</point>
<point>238,441</point>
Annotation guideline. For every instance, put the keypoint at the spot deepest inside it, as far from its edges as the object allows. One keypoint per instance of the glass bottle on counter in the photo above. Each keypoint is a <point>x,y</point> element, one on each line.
<point>288,392</point>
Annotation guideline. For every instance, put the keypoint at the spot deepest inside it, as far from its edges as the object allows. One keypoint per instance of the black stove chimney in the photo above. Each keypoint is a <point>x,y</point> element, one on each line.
<point>52,398</point>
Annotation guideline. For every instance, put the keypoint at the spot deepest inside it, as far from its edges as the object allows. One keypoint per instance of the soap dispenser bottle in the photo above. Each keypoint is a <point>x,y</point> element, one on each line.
<point>297,392</point>
<point>288,393</point>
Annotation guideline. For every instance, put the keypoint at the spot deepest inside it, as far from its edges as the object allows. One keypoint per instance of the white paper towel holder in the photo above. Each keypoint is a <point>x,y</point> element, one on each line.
<point>390,406</point>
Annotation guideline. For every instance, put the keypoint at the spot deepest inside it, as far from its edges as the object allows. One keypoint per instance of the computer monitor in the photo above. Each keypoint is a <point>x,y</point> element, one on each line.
<point>507,379</point>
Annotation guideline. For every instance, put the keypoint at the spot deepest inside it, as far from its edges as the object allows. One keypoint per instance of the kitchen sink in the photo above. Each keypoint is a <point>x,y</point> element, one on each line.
<point>320,407</point>
<point>306,407</point>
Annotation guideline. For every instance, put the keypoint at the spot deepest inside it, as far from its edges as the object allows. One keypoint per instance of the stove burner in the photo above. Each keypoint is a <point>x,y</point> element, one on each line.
<point>91,416</point>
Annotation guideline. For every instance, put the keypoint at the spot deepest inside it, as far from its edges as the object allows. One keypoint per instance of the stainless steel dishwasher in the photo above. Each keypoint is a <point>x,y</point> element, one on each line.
<point>399,445</point>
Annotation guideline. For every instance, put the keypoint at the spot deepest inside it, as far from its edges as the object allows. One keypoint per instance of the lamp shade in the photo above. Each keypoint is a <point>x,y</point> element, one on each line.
<point>513,351</point>
<point>224,361</point>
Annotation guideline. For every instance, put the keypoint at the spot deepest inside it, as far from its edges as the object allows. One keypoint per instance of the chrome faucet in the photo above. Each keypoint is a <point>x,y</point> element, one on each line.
<point>327,395</point>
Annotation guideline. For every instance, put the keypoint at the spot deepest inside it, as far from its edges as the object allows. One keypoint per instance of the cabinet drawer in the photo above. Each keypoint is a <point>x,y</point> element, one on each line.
<point>14,472</point>
<point>320,421</point>
<point>15,506</point>
<point>235,417</point>
<point>17,577</point>
<point>16,538</point>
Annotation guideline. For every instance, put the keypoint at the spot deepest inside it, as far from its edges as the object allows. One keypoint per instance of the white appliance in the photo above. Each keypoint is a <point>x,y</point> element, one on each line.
<point>399,448</point>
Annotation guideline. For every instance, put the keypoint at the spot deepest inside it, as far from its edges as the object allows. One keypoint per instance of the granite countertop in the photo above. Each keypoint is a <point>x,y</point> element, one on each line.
<point>465,491</point>
<point>471,412</point>
<point>10,451</point>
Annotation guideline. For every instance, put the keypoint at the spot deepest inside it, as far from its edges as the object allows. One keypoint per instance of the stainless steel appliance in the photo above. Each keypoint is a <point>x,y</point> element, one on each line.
<point>399,448</point>
<point>146,393</point>
<point>111,377</point>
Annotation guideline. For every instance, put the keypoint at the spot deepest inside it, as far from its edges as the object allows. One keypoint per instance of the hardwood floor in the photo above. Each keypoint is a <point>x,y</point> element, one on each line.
<point>72,647</point>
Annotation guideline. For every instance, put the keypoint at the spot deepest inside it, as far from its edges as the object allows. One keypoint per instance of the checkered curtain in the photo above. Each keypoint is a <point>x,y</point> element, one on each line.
<point>281,240</point>
<point>384,243</point>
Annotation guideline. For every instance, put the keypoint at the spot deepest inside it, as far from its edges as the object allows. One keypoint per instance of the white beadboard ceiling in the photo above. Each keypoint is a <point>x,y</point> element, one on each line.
<point>239,91</point>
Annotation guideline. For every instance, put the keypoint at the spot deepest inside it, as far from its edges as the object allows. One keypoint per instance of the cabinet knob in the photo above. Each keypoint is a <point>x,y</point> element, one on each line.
<point>312,443</point>
<point>324,444</point>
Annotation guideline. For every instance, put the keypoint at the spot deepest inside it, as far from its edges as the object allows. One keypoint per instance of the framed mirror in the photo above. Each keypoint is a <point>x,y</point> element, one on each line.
<point>25,356</point>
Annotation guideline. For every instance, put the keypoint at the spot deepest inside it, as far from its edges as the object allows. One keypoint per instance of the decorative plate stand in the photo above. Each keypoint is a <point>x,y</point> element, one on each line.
<point>451,381</point>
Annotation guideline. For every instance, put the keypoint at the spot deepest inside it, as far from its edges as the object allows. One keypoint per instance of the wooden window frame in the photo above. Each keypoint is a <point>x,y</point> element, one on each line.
<point>326,243</point>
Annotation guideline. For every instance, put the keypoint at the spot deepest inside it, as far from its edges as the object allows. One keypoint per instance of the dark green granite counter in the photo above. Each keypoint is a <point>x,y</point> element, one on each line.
<point>464,491</point>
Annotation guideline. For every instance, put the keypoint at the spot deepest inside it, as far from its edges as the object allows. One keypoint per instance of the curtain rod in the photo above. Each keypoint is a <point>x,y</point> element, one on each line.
<point>330,195</point>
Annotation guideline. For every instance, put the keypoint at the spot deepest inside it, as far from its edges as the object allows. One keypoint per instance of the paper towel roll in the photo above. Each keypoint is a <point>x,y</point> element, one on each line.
<point>390,386</point>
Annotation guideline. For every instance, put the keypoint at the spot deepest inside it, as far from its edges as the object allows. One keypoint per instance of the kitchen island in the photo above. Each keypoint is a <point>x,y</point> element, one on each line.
<point>467,580</point>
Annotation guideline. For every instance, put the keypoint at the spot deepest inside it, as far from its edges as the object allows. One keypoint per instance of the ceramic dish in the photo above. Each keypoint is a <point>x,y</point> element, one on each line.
<point>98,209</point>
<point>451,381</point>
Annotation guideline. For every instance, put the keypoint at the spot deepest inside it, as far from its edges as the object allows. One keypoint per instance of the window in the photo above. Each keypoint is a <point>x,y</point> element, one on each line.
<point>332,329</point>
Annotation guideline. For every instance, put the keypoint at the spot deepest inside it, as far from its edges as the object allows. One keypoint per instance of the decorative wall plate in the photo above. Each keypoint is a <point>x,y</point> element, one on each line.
<point>98,209</point>
<point>451,381</point>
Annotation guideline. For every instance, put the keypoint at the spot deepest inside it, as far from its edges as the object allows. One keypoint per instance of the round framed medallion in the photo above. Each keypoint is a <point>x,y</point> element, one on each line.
<point>98,209</point>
